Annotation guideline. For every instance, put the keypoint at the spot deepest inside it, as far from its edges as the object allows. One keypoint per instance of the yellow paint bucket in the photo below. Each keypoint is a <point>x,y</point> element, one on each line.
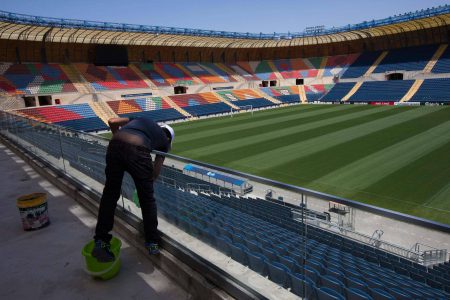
<point>33,211</point>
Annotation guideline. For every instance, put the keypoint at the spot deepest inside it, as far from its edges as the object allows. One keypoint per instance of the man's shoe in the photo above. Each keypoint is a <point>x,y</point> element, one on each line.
<point>153,248</point>
<point>102,252</point>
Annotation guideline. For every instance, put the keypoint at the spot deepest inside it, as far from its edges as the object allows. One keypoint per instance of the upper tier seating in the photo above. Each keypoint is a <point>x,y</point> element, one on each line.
<point>443,64</point>
<point>111,78</point>
<point>260,69</point>
<point>207,73</point>
<point>296,68</point>
<point>406,59</point>
<point>316,91</point>
<point>264,236</point>
<point>34,78</point>
<point>337,65</point>
<point>433,90</point>
<point>382,91</point>
<point>338,92</point>
<point>174,75</point>
<point>361,65</point>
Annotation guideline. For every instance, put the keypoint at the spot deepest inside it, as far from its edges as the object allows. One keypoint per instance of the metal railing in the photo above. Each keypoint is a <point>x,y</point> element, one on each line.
<point>110,26</point>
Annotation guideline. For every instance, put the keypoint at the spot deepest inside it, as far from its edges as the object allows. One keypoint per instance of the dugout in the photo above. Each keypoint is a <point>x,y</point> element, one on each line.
<point>238,185</point>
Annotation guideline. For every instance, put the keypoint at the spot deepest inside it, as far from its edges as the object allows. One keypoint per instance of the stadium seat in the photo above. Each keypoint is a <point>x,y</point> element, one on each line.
<point>257,262</point>
<point>278,273</point>
<point>328,294</point>
<point>357,294</point>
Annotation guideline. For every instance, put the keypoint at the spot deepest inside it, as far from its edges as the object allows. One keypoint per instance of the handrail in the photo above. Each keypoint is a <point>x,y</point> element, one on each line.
<point>124,27</point>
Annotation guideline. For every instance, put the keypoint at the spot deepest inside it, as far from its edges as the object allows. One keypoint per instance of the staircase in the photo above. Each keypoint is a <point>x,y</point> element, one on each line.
<point>322,67</point>
<point>194,78</point>
<point>264,95</point>
<point>226,101</point>
<point>230,71</point>
<point>103,111</point>
<point>354,89</point>
<point>412,91</point>
<point>174,105</point>
<point>376,63</point>
<point>275,70</point>
<point>142,76</point>
<point>435,58</point>
<point>78,81</point>
<point>302,94</point>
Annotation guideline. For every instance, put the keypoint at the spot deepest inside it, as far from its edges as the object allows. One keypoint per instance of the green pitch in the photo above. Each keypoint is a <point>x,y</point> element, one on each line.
<point>392,157</point>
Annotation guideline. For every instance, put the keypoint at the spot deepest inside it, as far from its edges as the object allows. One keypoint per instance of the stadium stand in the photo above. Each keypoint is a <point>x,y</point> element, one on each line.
<point>195,99</point>
<point>173,74</point>
<point>316,91</point>
<point>338,92</point>
<point>34,78</point>
<point>155,108</point>
<point>207,73</point>
<point>295,68</point>
<point>260,69</point>
<point>111,77</point>
<point>245,97</point>
<point>433,90</point>
<point>443,64</point>
<point>75,116</point>
<point>382,91</point>
<point>286,94</point>
<point>337,65</point>
<point>406,59</point>
<point>361,65</point>
<point>331,264</point>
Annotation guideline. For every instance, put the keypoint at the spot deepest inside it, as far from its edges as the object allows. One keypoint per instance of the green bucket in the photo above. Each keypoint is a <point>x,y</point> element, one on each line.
<point>102,270</point>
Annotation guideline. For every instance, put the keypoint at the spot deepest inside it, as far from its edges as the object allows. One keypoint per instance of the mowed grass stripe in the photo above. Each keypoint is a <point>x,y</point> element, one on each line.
<point>239,129</point>
<point>440,200</point>
<point>303,134</point>
<point>276,158</point>
<point>226,150</point>
<point>433,172</point>
<point>350,164</point>
<point>366,171</point>
<point>204,125</point>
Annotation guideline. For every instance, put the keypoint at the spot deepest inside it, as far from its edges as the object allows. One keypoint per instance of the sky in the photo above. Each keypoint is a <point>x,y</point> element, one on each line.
<point>253,16</point>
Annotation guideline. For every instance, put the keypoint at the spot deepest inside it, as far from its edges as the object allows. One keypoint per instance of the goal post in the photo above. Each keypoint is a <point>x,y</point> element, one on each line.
<point>242,108</point>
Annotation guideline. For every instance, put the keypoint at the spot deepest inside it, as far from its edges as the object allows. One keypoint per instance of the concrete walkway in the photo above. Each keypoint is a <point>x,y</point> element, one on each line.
<point>47,263</point>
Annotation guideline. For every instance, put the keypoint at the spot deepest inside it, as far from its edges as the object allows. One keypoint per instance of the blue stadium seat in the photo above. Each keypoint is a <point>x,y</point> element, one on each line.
<point>332,283</point>
<point>357,294</point>
<point>257,262</point>
<point>302,286</point>
<point>328,294</point>
<point>380,294</point>
<point>238,254</point>
<point>278,273</point>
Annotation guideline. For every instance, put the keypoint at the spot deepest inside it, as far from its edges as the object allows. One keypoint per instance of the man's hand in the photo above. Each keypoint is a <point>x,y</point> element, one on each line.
<point>157,165</point>
<point>116,123</point>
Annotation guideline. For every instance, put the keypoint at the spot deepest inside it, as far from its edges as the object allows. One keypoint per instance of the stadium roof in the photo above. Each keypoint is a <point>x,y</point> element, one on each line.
<point>34,28</point>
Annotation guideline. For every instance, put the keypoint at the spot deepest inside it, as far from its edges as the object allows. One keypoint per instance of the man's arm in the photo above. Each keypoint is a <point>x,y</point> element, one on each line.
<point>157,165</point>
<point>116,123</point>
